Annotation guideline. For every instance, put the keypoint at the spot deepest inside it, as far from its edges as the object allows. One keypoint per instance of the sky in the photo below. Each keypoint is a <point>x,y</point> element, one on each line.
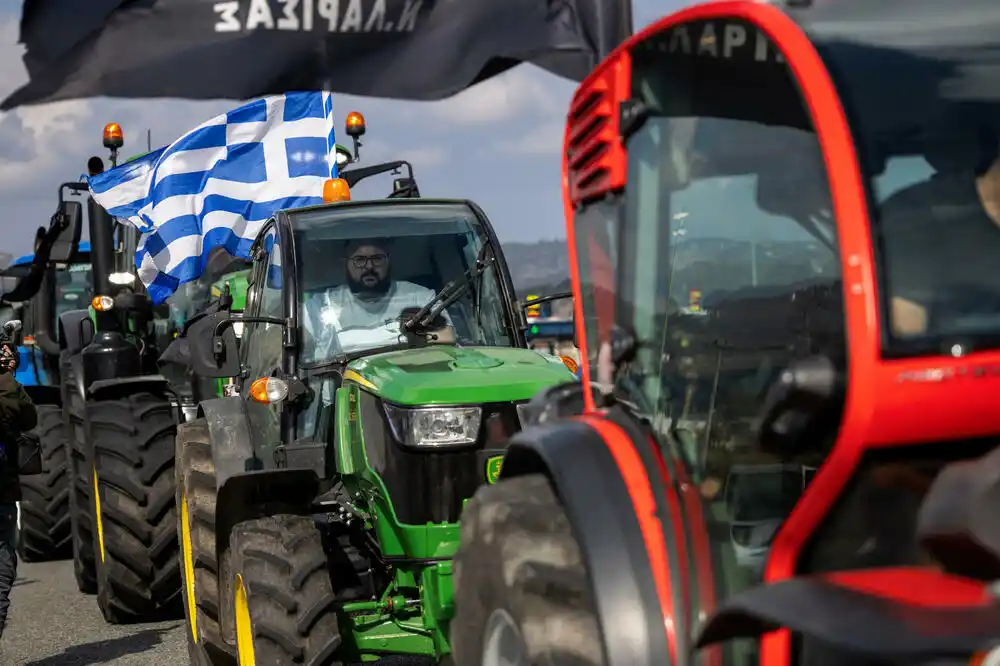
<point>498,143</point>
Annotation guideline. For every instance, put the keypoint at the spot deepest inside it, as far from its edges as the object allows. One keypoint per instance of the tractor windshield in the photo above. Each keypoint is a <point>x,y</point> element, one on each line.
<point>73,288</point>
<point>365,268</point>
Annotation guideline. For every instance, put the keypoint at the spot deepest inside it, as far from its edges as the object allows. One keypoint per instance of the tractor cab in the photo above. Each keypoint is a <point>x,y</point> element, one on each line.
<point>825,181</point>
<point>64,286</point>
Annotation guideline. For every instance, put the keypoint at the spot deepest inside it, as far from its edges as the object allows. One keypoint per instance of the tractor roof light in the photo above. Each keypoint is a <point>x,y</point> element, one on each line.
<point>102,303</point>
<point>355,125</point>
<point>336,189</point>
<point>114,138</point>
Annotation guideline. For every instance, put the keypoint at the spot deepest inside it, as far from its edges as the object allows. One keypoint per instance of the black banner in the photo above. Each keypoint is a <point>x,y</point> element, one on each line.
<point>236,49</point>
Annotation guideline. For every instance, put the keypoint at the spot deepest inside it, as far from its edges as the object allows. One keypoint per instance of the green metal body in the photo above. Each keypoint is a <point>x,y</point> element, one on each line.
<point>445,375</point>
<point>415,609</point>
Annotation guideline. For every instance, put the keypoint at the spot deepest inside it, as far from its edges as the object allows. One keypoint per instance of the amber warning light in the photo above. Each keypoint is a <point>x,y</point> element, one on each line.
<point>336,189</point>
<point>355,123</point>
<point>114,138</point>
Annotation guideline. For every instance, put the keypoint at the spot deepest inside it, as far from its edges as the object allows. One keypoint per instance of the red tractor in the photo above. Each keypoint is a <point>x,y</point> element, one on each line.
<point>827,176</point>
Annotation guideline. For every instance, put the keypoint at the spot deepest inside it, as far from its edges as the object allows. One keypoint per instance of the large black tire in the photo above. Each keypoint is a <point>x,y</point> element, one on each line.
<point>138,575</point>
<point>196,501</point>
<point>287,615</point>
<point>45,524</point>
<point>519,562</point>
<point>82,480</point>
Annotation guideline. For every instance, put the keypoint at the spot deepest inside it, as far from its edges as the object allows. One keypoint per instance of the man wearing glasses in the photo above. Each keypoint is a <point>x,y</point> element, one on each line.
<point>365,312</point>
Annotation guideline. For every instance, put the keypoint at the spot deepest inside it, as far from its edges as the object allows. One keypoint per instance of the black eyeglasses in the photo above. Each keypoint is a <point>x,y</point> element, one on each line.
<point>362,260</point>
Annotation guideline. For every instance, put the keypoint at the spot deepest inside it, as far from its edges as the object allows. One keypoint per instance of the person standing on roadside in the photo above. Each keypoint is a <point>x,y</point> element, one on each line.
<point>17,415</point>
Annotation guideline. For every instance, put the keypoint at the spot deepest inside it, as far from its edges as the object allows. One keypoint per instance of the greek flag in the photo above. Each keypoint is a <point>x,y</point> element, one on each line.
<point>216,185</point>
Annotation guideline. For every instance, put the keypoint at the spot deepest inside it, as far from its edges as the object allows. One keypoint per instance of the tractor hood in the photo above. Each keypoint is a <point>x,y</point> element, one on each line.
<point>457,375</point>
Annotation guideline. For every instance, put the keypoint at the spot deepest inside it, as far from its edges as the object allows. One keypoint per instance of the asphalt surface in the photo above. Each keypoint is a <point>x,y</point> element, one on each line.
<point>51,624</point>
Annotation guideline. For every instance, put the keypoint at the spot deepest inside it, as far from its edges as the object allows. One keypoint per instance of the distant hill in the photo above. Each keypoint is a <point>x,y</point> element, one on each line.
<point>709,265</point>
<point>538,268</point>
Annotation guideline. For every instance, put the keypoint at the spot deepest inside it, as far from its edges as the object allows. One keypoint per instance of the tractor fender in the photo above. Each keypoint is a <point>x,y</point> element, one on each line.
<point>245,491</point>
<point>588,481</point>
<point>110,389</point>
<point>249,495</point>
<point>71,333</point>
<point>43,394</point>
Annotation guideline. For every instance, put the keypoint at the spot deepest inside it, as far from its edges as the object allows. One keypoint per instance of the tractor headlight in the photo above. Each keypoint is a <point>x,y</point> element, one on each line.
<point>435,427</point>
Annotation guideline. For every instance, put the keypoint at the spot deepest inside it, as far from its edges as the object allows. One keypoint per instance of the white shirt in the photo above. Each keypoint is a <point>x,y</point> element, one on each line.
<point>341,322</point>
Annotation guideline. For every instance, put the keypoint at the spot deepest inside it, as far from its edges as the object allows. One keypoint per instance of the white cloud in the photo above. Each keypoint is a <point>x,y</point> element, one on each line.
<point>423,157</point>
<point>521,93</point>
<point>544,139</point>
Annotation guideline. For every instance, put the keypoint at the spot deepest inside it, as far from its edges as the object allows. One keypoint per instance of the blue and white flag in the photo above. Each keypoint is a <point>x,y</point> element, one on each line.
<point>216,185</point>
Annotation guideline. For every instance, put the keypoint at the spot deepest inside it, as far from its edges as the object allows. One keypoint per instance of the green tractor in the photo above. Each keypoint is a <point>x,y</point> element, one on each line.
<point>122,408</point>
<point>319,504</point>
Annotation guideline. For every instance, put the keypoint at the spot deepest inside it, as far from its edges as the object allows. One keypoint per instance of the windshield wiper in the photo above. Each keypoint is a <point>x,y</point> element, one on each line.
<point>451,292</point>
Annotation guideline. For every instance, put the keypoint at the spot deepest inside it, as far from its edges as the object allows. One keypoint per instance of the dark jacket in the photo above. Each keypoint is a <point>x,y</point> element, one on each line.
<point>17,415</point>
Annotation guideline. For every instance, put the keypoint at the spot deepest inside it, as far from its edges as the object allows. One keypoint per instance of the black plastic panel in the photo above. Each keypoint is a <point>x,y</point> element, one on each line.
<point>430,486</point>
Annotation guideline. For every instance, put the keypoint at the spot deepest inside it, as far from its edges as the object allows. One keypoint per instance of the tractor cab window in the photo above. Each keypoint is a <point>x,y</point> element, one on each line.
<point>365,268</point>
<point>73,288</point>
<point>722,270</point>
<point>932,161</point>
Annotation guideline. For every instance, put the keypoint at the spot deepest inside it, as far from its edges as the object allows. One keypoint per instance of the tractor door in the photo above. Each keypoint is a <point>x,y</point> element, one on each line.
<point>260,347</point>
<point>708,178</point>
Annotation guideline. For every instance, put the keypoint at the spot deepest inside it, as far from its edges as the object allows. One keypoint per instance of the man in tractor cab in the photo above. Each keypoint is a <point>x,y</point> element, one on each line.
<point>956,211</point>
<point>365,312</point>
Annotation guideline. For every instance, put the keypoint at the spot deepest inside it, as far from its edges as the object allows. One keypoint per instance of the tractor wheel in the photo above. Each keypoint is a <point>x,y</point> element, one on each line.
<point>283,601</point>
<point>196,503</point>
<point>522,595</point>
<point>45,523</point>
<point>81,473</point>
<point>138,576</point>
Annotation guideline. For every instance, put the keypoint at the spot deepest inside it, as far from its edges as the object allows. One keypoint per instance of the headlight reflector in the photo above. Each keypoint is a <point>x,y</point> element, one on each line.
<point>435,427</point>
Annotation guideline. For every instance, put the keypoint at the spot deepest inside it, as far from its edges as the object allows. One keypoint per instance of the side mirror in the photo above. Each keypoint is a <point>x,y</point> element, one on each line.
<point>12,332</point>
<point>209,359</point>
<point>802,407</point>
<point>561,401</point>
<point>404,188</point>
<point>67,223</point>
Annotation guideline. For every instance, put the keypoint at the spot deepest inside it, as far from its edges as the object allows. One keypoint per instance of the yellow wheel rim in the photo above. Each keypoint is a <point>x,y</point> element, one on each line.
<point>244,628</point>
<point>188,553</point>
<point>97,516</point>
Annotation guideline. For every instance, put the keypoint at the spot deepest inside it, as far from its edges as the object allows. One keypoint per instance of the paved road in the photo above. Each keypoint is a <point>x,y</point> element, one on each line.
<point>52,624</point>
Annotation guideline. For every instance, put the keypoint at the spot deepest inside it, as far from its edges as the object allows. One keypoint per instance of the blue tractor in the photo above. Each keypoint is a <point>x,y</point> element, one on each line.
<point>44,516</point>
